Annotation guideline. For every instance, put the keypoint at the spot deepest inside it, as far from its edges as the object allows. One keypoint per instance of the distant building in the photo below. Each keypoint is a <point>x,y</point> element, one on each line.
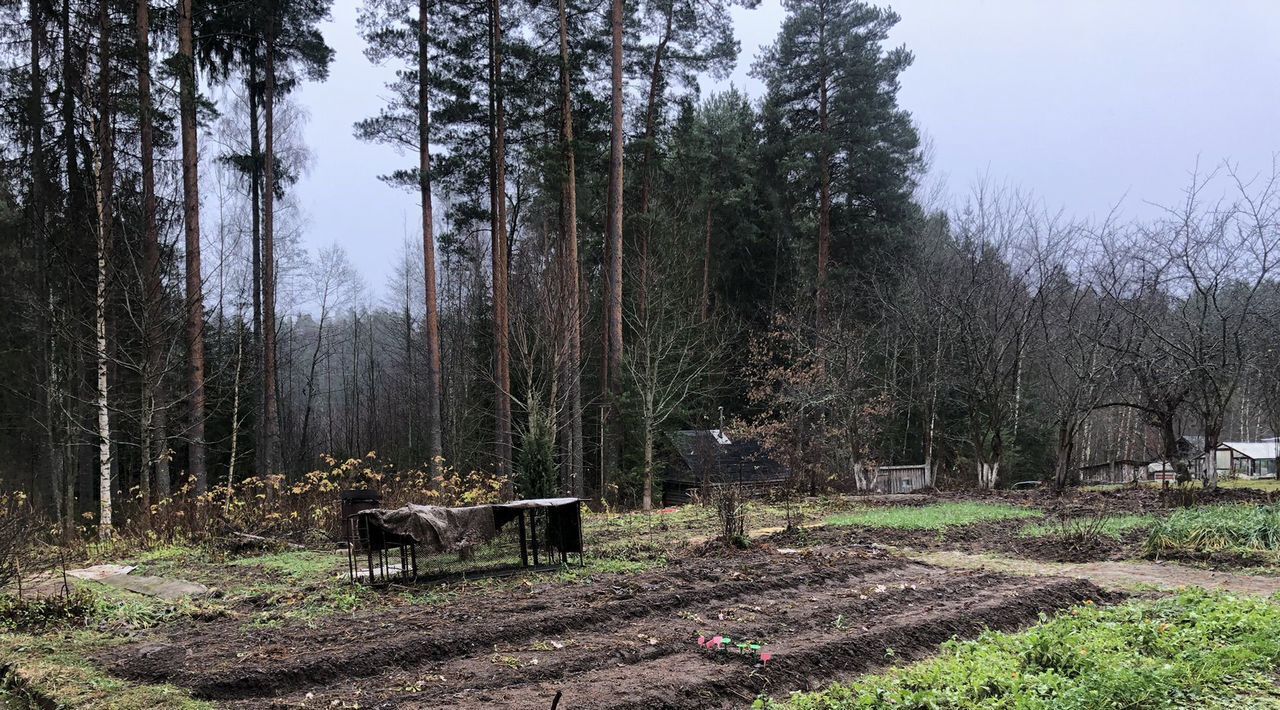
<point>707,458</point>
<point>1161,471</point>
<point>1116,471</point>
<point>1245,459</point>
<point>900,479</point>
<point>1231,459</point>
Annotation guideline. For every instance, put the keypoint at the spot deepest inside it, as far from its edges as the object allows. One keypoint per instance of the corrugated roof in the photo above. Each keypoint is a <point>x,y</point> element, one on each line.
<point>1253,449</point>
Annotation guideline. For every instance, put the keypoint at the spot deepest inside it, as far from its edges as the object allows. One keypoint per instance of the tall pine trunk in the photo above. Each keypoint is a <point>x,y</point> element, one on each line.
<point>435,385</point>
<point>254,100</point>
<point>162,453</point>
<point>270,410</point>
<point>824,182</point>
<point>44,287</point>
<point>569,256</point>
<point>705,310</point>
<point>151,252</point>
<point>75,207</point>
<point>104,162</point>
<point>194,282</point>
<point>612,435</point>
<point>498,216</point>
<point>656,87</point>
<point>646,502</point>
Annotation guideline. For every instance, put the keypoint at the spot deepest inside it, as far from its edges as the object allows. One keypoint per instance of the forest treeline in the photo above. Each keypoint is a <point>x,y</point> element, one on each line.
<point>604,253</point>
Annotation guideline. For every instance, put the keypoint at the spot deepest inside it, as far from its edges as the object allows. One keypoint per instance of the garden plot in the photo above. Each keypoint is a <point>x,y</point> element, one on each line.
<point>620,641</point>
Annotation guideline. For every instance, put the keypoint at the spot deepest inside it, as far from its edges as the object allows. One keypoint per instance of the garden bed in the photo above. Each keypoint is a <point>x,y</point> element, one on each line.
<point>618,641</point>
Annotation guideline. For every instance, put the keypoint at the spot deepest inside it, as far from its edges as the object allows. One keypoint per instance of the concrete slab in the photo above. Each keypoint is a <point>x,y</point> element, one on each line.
<point>98,572</point>
<point>159,587</point>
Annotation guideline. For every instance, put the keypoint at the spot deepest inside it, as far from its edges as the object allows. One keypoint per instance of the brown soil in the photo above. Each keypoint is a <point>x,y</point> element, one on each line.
<point>1001,537</point>
<point>1126,499</point>
<point>621,641</point>
<point>1118,576</point>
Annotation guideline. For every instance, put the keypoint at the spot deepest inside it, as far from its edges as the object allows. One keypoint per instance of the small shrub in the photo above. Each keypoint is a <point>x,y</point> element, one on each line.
<point>1089,528</point>
<point>74,609</point>
<point>731,512</point>
<point>18,523</point>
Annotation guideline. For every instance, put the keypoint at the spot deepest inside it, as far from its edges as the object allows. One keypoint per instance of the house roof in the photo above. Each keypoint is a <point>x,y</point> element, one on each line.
<point>1192,443</point>
<point>1117,462</point>
<point>711,453</point>
<point>1253,449</point>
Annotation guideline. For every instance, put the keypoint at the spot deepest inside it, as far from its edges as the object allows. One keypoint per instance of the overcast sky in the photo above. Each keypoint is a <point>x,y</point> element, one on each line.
<point>1086,103</point>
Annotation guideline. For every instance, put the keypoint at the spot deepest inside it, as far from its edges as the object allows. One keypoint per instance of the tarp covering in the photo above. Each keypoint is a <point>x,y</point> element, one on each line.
<point>538,503</point>
<point>435,528</point>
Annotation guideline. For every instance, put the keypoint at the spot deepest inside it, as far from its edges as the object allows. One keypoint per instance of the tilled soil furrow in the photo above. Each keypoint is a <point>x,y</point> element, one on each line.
<point>820,655</point>
<point>773,614</point>
<point>361,653</point>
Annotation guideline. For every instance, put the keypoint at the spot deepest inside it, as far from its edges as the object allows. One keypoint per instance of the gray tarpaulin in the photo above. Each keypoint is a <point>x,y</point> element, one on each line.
<point>437,529</point>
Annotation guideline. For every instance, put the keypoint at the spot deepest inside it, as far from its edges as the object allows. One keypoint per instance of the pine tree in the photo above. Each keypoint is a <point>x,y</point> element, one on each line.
<point>692,37</point>
<point>196,465</point>
<point>835,92</point>
<point>392,32</point>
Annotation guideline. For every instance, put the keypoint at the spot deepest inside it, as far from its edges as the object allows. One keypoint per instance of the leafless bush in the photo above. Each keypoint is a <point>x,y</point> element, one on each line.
<point>18,525</point>
<point>731,511</point>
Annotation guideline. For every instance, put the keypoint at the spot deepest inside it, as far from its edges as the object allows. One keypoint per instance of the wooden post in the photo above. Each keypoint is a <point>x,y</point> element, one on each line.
<point>524,550</point>
<point>533,533</point>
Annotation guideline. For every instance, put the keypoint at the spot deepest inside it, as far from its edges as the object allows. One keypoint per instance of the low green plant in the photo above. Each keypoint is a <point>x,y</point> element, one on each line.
<point>1216,528</point>
<point>1088,527</point>
<point>298,564</point>
<point>932,517</point>
<point>1197,649</point>
<point>74,609</point>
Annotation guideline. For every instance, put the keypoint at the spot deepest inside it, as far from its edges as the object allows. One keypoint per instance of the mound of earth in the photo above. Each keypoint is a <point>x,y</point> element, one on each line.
<point>1000,537</point>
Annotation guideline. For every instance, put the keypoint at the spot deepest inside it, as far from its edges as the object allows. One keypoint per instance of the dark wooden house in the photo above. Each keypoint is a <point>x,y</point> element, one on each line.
<point>707,458</point>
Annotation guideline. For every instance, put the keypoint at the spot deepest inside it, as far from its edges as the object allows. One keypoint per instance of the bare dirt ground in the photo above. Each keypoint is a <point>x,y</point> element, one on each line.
<point>999,537</point>
<point>1117,576</point>
<point>830,603</point>
<point>620,641</point>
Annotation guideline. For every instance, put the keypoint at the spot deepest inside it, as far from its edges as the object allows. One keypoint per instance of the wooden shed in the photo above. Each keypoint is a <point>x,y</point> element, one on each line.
<point>1114,471</point>
<point>900,479</point>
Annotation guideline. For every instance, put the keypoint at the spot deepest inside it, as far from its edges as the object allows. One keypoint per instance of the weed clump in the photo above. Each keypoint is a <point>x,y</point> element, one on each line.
<point>66,610</point>
<point>1089,528</point>
<point>1216,529</point>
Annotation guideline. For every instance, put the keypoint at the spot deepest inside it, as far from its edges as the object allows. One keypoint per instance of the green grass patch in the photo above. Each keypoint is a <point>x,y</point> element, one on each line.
<point>53,670</point>
<point>1271,485</point>
<point>1197,649</point>
<point>1217,528</point>
<point>932,517</point>
<point>297,564</point>
<point>1268,484</point>
<point>1112,526</point>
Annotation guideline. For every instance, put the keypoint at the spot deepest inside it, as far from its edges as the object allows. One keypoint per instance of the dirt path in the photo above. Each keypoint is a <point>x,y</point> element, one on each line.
<point>1121,576</point>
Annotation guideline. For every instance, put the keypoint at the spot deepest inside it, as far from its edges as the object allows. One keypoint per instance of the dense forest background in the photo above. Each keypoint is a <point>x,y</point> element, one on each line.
<point>605,254</point>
